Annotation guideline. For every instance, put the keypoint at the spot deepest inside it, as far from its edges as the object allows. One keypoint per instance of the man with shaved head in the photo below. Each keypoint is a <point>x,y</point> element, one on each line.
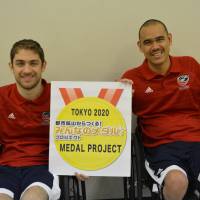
<point>166,99</point>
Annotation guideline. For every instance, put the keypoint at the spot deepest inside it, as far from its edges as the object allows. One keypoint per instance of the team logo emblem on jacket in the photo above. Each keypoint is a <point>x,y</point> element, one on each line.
<point>45,118</point>
<point>182,80</point>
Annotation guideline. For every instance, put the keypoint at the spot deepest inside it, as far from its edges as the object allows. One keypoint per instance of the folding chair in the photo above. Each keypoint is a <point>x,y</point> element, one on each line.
<point>71,188</point>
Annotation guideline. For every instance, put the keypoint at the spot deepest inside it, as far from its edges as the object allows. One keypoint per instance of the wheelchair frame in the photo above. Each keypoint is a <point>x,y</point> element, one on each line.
<point>72,188</point>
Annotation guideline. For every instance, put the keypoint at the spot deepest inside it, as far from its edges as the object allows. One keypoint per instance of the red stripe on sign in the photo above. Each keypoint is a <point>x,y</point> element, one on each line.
<point>111,95</point>
<point>78,92</point>
<point>70,94</point>
<point>116,96</point>
<point>64,95</point>
<point>102,93</point>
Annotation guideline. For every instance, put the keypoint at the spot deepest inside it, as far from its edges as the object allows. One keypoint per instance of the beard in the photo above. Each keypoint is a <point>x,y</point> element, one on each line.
<point>28,86</point>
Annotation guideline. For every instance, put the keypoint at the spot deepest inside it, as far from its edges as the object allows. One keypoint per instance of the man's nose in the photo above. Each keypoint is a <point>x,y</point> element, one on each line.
<point>155,45</point>
<point>27,68</point>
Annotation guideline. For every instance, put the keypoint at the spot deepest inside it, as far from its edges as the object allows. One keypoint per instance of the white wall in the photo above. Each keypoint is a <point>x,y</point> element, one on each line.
<point>94,40</point>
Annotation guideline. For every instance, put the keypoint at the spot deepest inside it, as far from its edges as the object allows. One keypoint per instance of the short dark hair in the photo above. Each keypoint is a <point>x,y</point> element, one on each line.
<point>150,22</point>
<point>27,44</point>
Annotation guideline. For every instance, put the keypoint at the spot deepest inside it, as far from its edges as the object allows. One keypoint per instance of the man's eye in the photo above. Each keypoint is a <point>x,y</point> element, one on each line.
<point>147,42</point>
<point>160,39</point>
<point>20,64</point>
<point>34,63</point>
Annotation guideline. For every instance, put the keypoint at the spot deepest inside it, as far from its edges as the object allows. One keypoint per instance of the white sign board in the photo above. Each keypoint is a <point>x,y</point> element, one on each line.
<point>90,128</point>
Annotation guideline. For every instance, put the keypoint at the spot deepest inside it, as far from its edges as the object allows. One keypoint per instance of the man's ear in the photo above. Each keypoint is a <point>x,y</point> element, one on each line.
<point>139,45</point>
<point>44,66</point>
<point>10,65</point>
<point>170,38</point>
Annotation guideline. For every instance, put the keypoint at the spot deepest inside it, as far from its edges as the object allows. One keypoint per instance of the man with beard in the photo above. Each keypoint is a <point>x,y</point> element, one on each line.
<point>24,132</point>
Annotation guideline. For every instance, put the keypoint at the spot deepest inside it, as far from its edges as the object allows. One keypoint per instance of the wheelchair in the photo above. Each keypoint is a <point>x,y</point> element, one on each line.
<point>140,180</point>
<point>72,188</point>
